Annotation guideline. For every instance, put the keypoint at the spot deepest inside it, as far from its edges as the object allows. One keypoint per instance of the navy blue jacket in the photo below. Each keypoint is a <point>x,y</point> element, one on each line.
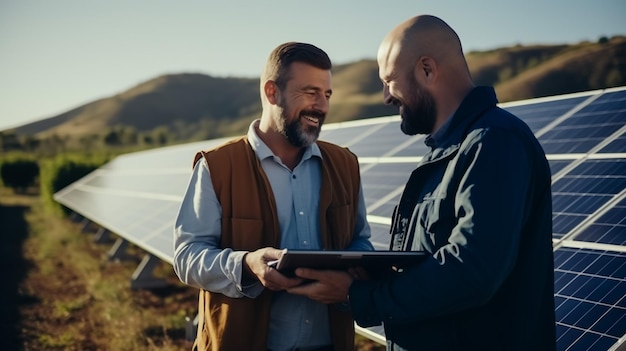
<point>480,203</point>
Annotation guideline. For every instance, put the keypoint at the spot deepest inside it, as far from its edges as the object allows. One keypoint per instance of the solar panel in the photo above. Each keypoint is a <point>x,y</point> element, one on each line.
<point>383,185</point>
<point>589,298</point>
<point>617,145</point>
<point>541,112</point>
<point>557,165</point>
<point>584,190</point>
<point>378,137</point>
<point>595,121</point>
<point>136,196</point>
<point>609,228</point>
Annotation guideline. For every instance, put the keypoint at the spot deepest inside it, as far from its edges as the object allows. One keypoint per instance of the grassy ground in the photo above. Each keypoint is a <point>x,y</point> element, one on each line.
<point>62,292</point>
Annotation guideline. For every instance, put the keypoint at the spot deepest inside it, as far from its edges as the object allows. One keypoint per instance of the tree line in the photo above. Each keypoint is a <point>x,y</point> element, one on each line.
<point>121,137</point>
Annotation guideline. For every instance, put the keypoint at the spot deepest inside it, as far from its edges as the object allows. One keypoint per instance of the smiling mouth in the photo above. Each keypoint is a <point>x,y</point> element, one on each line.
<point>312,119</point>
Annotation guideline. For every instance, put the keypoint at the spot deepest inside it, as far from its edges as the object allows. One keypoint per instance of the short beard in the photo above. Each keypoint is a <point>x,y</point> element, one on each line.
<point>296,134</point>
<point>419,114</point>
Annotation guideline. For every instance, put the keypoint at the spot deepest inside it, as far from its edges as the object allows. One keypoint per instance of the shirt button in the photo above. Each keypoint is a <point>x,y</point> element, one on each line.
<point>307,321</point>
<point>305,242</point>
<point>301,213</point>
<point>293,176</point>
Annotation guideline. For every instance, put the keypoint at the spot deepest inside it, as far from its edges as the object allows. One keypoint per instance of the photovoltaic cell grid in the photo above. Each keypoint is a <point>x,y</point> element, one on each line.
<point>137,195</point>
<point>381,186</point>
<point>589,297</point>
<point>617,145</point>
<point>377,138</point>
<point>609,228</point>
<point>540,113</point>
<point>588,127</point>
<point>557,165</point>
<point>584,190</point>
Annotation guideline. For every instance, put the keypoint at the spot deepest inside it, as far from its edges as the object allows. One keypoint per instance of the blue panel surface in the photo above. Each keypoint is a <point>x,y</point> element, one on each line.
<point>609,228</point>
<point>382,139</point>
<point>584,190</point>
<point>590,298</point>
<point>616,145</point>
<point>588,127</point>
<point>557,165</point>
<point>538,115</point>
<point>380,182</point>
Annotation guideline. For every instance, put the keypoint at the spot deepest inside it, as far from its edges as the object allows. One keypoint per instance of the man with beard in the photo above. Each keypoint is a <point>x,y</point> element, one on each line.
<point>275,188</point>
<point>479,202</point>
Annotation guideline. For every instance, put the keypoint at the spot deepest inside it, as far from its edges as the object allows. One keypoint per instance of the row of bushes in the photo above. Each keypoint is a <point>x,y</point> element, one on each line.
<point>23,172</point>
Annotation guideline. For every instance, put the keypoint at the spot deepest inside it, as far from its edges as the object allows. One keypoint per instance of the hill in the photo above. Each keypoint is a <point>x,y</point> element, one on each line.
<point>199,106</point>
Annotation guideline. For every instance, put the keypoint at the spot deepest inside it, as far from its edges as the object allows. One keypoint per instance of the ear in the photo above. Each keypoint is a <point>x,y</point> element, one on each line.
<point>270,89</point>
<point>426,70</point>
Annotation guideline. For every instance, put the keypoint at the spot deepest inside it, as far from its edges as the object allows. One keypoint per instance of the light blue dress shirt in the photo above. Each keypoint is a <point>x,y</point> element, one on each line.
<point>295,321</point>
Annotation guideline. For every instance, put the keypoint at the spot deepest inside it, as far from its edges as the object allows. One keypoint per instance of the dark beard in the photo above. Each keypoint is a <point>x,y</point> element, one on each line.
<point>298,136</point>
<point>420,114</point>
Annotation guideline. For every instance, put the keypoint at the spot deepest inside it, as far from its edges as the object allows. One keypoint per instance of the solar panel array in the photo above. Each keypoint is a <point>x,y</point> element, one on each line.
<point>136,196</point>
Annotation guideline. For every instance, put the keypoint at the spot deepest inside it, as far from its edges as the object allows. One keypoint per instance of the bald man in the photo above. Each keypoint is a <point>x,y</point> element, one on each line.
<point>479,203</point>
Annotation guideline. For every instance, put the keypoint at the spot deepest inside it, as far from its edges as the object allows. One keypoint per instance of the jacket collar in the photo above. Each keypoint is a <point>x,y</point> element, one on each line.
<point>450,135</point>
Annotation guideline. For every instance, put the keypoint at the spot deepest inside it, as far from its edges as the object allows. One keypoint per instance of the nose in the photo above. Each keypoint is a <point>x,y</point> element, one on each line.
<point>322,103</point>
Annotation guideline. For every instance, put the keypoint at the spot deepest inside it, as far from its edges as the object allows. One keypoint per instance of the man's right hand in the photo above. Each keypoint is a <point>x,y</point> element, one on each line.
<point>256,265</point>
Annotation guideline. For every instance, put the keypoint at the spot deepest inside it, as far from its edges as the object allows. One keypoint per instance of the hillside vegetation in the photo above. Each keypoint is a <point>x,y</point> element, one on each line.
<point>185,107</point>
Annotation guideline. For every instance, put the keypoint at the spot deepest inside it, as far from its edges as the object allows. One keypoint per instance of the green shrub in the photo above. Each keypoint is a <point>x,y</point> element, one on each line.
<point>60,172</point>
<point>19,173</point>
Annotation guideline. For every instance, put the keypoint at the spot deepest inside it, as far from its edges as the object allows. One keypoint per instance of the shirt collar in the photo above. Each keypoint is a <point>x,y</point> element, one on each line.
<point>432,139</point>
<point>263,151</point>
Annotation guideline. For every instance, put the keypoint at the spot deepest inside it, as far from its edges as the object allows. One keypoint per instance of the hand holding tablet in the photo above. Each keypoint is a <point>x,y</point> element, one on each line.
<point>371,261</point>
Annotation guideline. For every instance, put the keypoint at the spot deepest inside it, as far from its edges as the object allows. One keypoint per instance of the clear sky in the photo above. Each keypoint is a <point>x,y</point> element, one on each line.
<point>58,55</point>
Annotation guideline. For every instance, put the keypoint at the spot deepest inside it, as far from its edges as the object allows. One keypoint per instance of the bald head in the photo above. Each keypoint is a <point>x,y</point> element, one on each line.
<point>419,36</point>
<point>424,72</point>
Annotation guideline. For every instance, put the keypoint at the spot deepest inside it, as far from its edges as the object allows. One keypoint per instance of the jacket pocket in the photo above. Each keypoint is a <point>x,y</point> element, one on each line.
<point>425,222</point>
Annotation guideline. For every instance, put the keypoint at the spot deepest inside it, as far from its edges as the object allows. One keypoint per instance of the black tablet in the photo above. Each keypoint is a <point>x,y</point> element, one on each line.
<point>372,261</point>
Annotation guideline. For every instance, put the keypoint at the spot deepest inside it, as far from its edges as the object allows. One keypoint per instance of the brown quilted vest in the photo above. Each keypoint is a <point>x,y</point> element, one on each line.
<point>249,222</point>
